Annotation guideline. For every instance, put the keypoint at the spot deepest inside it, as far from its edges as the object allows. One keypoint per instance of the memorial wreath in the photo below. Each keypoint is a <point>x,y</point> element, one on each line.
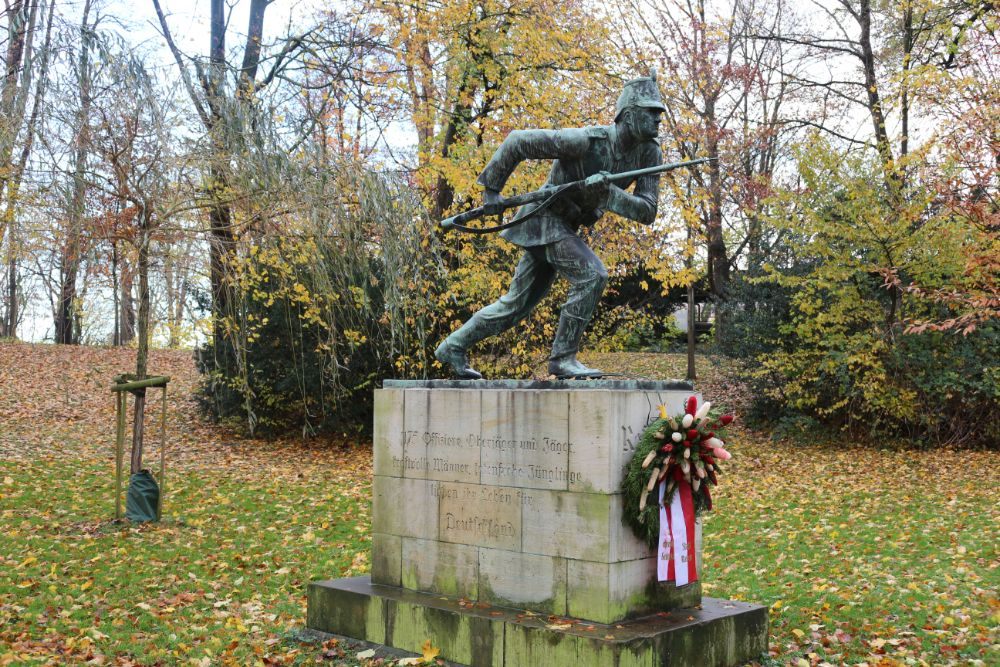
<point>667,484</point>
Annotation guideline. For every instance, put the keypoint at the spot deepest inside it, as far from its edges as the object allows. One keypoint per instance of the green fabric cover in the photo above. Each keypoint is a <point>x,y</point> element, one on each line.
<point>143,497</point>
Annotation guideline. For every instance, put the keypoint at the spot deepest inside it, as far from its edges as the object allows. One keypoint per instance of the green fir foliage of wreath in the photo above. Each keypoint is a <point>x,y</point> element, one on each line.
<point>645,524</point>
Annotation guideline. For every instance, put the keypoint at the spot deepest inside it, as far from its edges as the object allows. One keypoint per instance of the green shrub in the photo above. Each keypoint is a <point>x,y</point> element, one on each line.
<point>828,334</point>
<point>325,312</point>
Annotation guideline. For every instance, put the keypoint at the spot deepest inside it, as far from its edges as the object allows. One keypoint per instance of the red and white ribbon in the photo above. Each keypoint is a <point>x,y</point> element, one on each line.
<point>676,560</point>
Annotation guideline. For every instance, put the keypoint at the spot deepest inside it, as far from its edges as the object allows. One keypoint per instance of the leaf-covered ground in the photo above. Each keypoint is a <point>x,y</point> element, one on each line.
<point>864,555</point>
<point>220,581</point>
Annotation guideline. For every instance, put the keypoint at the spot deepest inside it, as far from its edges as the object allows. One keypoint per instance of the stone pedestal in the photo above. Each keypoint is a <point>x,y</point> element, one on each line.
<point>717,633</point>
<point>504,496</point>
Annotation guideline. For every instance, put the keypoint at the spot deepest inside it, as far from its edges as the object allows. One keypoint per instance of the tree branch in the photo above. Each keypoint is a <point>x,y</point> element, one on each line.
<point>185,76</point>
<point>820,126</point>
<point>822,44</point>
<point>290,47</point>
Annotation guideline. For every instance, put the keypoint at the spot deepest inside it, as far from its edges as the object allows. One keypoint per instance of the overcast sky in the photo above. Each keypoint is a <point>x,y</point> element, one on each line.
<point>189,20</point>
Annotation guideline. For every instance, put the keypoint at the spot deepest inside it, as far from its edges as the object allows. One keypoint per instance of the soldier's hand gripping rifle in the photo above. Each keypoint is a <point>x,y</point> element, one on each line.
<point>549,195</point>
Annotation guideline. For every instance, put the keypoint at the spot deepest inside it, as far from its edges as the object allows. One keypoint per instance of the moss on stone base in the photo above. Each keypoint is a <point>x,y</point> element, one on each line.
<point>721,633</point>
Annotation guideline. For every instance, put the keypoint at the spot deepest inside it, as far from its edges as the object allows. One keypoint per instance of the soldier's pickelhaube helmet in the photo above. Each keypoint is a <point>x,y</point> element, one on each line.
<point>641,92</point>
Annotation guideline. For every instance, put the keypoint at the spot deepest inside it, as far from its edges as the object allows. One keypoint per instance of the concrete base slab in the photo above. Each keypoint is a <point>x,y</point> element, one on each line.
<point>720,633</point>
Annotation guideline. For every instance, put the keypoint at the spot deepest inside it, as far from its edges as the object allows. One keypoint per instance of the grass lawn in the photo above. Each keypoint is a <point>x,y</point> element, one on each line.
<point>863,555</point>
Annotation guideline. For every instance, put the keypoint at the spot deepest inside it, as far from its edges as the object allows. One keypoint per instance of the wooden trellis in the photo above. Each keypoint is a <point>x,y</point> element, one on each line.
<point>125,384</point>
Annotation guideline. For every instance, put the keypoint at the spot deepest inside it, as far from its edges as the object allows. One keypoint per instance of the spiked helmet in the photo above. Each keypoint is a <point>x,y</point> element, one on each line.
<point>640,92</point>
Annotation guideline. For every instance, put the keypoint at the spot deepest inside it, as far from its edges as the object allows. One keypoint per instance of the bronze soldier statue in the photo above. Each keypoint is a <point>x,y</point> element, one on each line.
<point>549,238</point>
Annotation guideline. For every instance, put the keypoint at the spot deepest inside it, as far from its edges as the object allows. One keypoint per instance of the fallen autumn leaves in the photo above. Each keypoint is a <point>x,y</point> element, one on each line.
<point>863,556</point>
<point>247,525</point>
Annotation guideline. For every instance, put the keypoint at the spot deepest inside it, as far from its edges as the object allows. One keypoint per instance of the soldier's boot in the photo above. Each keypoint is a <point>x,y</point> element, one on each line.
<point>487,322</point>
<point>570,367</point>
<point>454,350</point>
<point>458,358</point>
<point>563,362</point>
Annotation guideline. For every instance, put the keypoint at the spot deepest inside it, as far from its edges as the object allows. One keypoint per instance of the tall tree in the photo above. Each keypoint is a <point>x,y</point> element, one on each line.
<point>133,142</point>
<point>878,51</point>
<point>67,315</point>
<point>225,108</point>
<point>19,75</point>
<point>21,17</point>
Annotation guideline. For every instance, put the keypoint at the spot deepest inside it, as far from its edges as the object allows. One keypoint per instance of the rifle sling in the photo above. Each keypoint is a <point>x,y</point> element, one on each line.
<point>517,221</point>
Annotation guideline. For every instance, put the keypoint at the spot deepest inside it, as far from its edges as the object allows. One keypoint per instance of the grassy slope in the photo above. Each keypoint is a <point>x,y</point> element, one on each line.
<point>870,556</point>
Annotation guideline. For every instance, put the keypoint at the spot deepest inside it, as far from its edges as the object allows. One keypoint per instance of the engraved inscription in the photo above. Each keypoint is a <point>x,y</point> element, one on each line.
<point>442,490</point>
<point>478,492</point>
<point>444,465</point>
<point>403,463</point>
<point>536,461</point>
<point>630,438</point>
<point>548,456</point>
<point>437,439</point>
<point>521,473</point>
<point>435,464</point>
<point>544,445</point>
<point>477,526</point>
<point>480,515</point>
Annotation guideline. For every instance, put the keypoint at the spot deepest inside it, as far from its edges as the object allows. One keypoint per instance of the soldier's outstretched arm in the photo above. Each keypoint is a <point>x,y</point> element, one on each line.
<point>521,145</point>
<point>640,205</point>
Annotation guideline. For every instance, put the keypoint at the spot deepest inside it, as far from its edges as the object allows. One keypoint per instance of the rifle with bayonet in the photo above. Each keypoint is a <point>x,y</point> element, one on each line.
<point>549,195</point>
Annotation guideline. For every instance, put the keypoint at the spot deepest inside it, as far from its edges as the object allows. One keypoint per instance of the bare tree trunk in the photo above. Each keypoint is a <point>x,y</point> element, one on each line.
<point>16,176</point>
<point>10,326</point>
<point>126,317</point>
<point>175,279</point>
<point>864,18</point>
<point>444,195</point>
<point>142,353</point>
<point>67,313</point>
<point>222,240</point>
<point>222,247</point>
<point>116,335</point>
<point>718,258</point>
<point>21,20</point>
<point>138,424</point>
<point>66,306</point>
<point>904,106</point>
